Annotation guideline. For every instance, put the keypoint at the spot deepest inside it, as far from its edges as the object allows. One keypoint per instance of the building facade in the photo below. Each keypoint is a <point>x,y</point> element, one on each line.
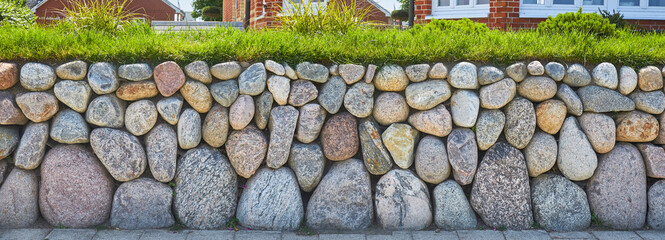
<point>152,10</point>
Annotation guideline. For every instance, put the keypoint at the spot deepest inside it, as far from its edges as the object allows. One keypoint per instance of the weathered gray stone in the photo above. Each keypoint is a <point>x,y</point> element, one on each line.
<point>142,204</point>
<point>312,71</point>
<point>10,113</point>
<point>102,78</point>
<point>9,140</point>
<point>74,94</point>
<point>271,201</point>
<point>161,146</point>
<point>275,67</point>
<point>262,109</point>
<point>418,72</point>
<point>37,106</point>
<point>627,80</point>
<point>463,75</point>
<point>135,72</point>
<point>106,111</point>
<point>498,94</point>
<point>550,115</point>
<point>215,127</point>
<point>576,159</point>
<point>307,162</point>
<point>555,70</point>
<point>75,70</point>
<point>559,204</point>
<point>391,78</point>
<point>375,155</point>
<point>463,155</point>
<point>3,169</point>
<point>617,191</point>
<point>436,121</point>
<point>651,102</point>
<point>517,71</point>
<point>535,68</point>
<point>489,127</point>
<point>402,201</point>
<point>654,159</point>
<point>225,92</point>
<point>656,201</point>
<point>289,72</point>
<point>140,117</point>
<point>32,146</point>
<point>75,190</point>
<point>301,93</point>
<point>540,154</point>
<point>464,106</point>
<point>359,99</point>
<point>189,129</point>
<point>253,80</point>
<point>520,122</point>
<point>339,137</point>
<point>605,75</point>
<point>438,71</point>
<point>197,95</point>
<point>246,150</point>
<point>121,153</point>
<point>19,201</point>
<point>389,108</point>
<point>205,173</point>
<point>431,161</point>
<point>351,73</point>
<point>428,94</point>
<point>400,140</point>
<point>311,119</point>
<point>226,70</point>
<point>599,99</point>
<point>650,79</point>
<point>570,98</point>
<point>169,109</point>
<point>199,71</point>
<point>600,130</point>
<point>577,76</point>
<point>279,87</point>
<point>283,121</point>
<point>451,208</point>
<point>343,199</point>
<point>331,96</point>
<point>37,76</point>
<point>501,193</point>
<point>69,127</point>
<point>241,112</point>
<point>537,89</point>
<point>636,126</point>
<point>489,75</point>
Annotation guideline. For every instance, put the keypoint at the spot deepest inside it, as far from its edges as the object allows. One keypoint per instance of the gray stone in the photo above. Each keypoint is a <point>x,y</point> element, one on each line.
<point>69,127</point>
<point>307,162</point>
<point>576,159</point>
<point>74,94</point>
<point>535,68</point>
<point>436,121</point>
<point>215,127</point>
<point>391,78</point>
<point>418,72</point>
<point>559,204</point>
<point>343,199</point>
<point>140,117</point>
<point>489,75</point>
<point>431,161</point>
<point>600,130</point>
<point>262,109</point>
<point>271,201</point>
<point>577,76</point>
<point>102,78</point>
<point>246,150</point>
<point>489,127</point>
<point>400,140</point>
<point>197,95</point>
<point>517,71</point>
<point>189,129</point>
<point>428,94</point>
<point>161,147</point>
<point>204,173</point>
<point>627,80</point>
<point>199,71</point>
<point>351,73</point>
<point>135,72</point>
<point>225,92</point>
<point>283,121</point>
<point>275,67</point>
<point>537,89</point>
<point>617,191</point>
<point>253,80</point>
<point>32,146</point>
<point>121,153</point>
<point>660,139</point>
<point>570,98</point>
<point>226,70</point>
<point>289,72</point>
<point>10,113</point>
<point>540,154</point>
<point>241,112</point>
<point>9,140</point>
<point>37,76</point>
<point>19,201</point>
<point>605,75</point>
<point>451,208</point>
<point>555,70</point>
<point>279,87</point>
<point>438,71</point>
<point>389,108</point>
<point>169,109</point>
<point>75,70</point>
<point>463,76</point>
<point>402,201</point>
<point>464,106</point>
<point>501,193</point>
<point>656,202</point>
<point>311,119</point>
<point>333,69</point>
<point>599,99</point>
<point>636,126</point>
<point>651,102</point>
<point>650,79</point>
<point>301,93</point>
<point>3,169</point>
<point>106,111</point>
<point>142,204</point>
<point>312,71</point>
<point>37,106</point>
<point>520,122</point>
<point>654,159</point>
<point>498,94</point>
<point>463,155</point>
<point>359,99</point>
<point>375,155</point>
<point>550,115</point>
<point>331,96</point>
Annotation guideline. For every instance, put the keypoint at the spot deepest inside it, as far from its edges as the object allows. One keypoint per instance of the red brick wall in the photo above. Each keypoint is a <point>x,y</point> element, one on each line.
<point>227,10</point>
<point>422,9</point>
<point>152,9</point>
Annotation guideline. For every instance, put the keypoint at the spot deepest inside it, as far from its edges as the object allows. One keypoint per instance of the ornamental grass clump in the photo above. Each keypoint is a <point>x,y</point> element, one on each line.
<point>592,24</point>
<point>107,16</point>
<point>15,13</point>
<point>338,16</point>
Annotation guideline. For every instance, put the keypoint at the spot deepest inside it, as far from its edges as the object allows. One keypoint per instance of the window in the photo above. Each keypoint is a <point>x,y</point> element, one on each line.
<point>301,3</point>
<point>460,9</point>
<point>631,9</point>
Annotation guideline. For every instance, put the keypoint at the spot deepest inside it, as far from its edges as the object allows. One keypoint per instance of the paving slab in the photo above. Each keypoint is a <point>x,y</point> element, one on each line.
<point>163,234</point>
<point>211,235</point>
<point>295,236</point>
<point>118,235</point>
<point>67,234</point>
<point>398,235</point>
<point>618,235</point>
<point>427,235</point>
<point>527,235</point>
<point>652,235</point>
<point>571,235</point>
<point>22,234</point>
<point>342,237</point>
<point>480,235</point>
<point>258,235</point>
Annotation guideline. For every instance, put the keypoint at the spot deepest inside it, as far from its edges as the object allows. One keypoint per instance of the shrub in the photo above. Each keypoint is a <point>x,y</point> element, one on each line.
<point>463,25</point>
<point>108,16</point>
<point>338,16</point>
<point>212,12</point>
<point>400,14</point>
<point>617,19</point>
<point>14,13</point>
<point>577,22</point>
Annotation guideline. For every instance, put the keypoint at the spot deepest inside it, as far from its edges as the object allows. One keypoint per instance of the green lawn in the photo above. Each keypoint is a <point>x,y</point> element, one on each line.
<point>361,46</point>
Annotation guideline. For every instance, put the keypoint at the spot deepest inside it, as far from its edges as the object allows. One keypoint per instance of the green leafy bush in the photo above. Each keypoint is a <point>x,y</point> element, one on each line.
<point>463,25</point>
<point>400,14</point>
<point>338,16</point>
<point>577,22</point>
<point>14,13</point>
<point>213,13</point>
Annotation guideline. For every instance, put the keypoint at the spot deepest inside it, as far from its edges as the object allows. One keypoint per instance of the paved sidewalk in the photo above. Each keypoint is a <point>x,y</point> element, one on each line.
<point>87,234</point>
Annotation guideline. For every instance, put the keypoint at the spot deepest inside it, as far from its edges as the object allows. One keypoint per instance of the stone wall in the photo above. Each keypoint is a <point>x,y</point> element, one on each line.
<point>454,146</point>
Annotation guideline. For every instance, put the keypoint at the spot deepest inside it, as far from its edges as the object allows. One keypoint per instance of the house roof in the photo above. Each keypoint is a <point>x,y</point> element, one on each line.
<point>377,5</point>
<point>178,10</point>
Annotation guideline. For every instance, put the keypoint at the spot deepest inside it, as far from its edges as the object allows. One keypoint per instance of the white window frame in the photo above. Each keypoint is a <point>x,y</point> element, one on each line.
<point>315,5</point>
<point>473,10</point>
<point>641,12</point>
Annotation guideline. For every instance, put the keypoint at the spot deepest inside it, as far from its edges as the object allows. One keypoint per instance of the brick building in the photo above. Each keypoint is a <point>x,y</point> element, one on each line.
<point>153,10</point>
<point>505,14</point>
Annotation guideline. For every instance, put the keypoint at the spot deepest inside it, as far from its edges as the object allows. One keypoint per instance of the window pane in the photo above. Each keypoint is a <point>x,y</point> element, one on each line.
<point>444,3</point>
<point>462,2</point>
<point>593,2</point>
<point>565,2</point>
<point>529,2</point>
<point>657,3</point>
<point>483,2</point>
<point>629,2</point>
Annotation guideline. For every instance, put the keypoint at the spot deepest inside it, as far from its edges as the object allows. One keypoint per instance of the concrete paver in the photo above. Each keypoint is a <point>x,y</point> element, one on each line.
<point>258,235</point>
<point>164,234</point>
<point>295,236</point>
<point>67,234</point>
<point>21,234</point>
<point>211,235</point>
<point>618,235</point>
<point>652,235</point>
<point>571,235</point>
<point>427,235</point>
<point>118,235</point>
<point>480,235</point>
<point>341,236</point>
<point>527,235</point>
